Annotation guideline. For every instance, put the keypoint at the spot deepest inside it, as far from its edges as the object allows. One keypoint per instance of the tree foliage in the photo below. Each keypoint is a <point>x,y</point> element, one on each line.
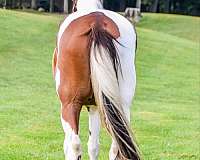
<point>191,7</point>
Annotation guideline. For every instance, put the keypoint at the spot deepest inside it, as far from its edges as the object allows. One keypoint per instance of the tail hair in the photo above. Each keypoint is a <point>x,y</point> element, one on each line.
<point>100,37</point>
<point>105,68</point>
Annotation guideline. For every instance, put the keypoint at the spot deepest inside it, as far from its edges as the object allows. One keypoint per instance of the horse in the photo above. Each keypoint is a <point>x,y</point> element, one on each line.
<point>93,65</point>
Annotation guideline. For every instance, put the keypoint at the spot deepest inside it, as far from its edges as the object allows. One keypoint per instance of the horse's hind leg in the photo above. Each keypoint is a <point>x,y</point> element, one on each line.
<point>70,120</point>
<point>114,147</point>
<point>94,129</point>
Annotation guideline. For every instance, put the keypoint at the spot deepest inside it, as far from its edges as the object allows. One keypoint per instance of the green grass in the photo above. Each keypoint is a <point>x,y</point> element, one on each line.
<point>165,112</point>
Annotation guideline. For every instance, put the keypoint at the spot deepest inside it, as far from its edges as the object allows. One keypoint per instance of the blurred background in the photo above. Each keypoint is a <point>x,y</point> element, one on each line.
<point>189,7</point>
<point>165,111</point>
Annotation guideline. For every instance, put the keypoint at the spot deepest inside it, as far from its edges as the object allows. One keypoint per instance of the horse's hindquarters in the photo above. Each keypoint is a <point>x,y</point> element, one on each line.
<point>81,41</point>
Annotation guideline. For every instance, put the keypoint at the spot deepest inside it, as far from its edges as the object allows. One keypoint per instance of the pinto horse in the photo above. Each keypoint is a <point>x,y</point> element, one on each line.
<point>93,65</point>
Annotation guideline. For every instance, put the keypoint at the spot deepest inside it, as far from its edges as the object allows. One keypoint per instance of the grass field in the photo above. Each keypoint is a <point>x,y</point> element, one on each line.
<point>165,112</point>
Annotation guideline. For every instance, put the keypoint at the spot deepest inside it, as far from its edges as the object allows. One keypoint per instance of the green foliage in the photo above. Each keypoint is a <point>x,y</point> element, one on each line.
<point>149,2</point>
<point>2,3</point>
<point>165,112</point>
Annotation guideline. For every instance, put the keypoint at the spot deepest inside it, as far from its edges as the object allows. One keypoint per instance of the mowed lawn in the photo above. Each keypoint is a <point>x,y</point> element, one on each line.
<point>165,111</point>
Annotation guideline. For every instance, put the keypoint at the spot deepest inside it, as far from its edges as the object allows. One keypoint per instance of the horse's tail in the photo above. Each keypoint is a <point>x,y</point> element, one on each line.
<point>105,69</point>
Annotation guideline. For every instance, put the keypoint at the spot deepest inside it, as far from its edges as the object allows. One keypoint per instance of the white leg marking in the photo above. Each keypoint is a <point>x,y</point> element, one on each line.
<point>94,129</point>
<point>113,150</point>
<point>72,143</point>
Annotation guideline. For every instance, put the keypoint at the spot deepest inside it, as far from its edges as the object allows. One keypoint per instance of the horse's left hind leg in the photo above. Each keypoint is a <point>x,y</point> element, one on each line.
<point>70,120</point>
<point>94,129</point>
